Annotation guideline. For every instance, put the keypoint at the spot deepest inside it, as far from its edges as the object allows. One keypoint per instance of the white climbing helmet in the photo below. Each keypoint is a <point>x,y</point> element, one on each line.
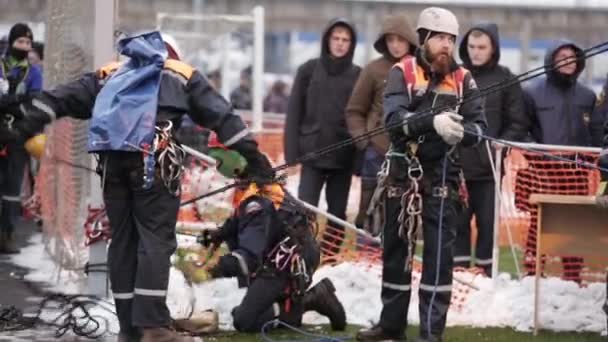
<point>437,19</point>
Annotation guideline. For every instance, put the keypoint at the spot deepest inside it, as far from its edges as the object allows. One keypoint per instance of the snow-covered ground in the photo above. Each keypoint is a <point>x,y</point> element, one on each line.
<point>504,303</point>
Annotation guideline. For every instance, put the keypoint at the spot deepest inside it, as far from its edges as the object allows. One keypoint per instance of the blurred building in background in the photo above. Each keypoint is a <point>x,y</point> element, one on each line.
<point>292,28</point>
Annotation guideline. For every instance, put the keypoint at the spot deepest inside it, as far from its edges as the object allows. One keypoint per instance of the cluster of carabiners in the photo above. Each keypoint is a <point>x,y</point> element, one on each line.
<point>170,157</point>
<point>410,217</point>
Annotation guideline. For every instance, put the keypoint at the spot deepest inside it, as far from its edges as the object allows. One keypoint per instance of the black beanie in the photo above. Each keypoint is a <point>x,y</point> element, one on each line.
<point>19,30</point>
<point>423,33</point>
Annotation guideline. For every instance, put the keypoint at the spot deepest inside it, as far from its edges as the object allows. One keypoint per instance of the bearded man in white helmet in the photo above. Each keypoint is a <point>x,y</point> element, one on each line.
<point>422,172</point>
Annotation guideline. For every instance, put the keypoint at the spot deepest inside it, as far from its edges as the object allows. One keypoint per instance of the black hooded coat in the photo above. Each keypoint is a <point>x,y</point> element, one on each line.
<point>504,109</point>
<point>316,110</point>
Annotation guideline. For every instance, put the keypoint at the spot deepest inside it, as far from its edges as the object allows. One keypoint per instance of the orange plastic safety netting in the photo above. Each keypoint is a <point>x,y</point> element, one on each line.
<point>64,190</point>
<point>527,173</point>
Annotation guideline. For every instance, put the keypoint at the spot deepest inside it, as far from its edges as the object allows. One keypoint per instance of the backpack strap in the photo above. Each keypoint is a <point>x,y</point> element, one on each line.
<point>408,66</point>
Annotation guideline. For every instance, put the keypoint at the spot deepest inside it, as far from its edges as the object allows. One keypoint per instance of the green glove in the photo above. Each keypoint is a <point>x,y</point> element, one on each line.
<point>229,163</point>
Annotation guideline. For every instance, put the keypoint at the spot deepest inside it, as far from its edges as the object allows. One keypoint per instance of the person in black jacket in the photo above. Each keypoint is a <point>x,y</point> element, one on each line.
<point>18,77</point>
<point>273,252</point>
<point>140,186</point>
<point>316,119</point>
<point>422,175</point>
<point>504,110</point>
<point>601,105</point>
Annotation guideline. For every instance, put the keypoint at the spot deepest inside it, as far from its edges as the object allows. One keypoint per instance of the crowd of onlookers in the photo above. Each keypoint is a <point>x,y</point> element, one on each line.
<point>332,99</point>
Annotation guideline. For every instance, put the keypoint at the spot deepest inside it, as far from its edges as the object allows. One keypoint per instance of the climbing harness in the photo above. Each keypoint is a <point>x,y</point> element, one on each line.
<point>285,256</point>
<point>282,254</point>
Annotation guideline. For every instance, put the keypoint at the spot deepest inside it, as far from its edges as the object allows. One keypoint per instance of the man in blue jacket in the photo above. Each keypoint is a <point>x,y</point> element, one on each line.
<point>560,107</point>
<point>17,78</point>
<point>562,111</point>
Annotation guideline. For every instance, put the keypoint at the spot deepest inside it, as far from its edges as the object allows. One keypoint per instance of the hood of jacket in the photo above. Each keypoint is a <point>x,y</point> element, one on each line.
<point>489,28</point>
<point>556,77</point>
<point>337,65</point>
<point>395,24</point>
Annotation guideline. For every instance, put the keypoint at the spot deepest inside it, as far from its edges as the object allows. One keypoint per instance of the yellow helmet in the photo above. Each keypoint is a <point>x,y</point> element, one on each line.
<point>35,145</point>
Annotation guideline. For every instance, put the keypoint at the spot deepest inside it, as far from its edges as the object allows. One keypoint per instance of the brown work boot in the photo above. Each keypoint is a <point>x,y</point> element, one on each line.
<point>206,322</point>
<point>164,335</point>
<point>377,334</point>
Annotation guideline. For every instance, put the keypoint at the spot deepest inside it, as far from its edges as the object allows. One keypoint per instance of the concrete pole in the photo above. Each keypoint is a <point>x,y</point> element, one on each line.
<point>525,37</point>
<point>258,69</point>
<point>371,29</point>
<point>97,282</point>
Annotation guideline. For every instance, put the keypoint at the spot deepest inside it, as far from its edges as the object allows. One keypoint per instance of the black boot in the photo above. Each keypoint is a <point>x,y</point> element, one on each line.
<point>376,333</point>
<point>2,242</point>
<point>322,299</point>
<point>129,336</point>
<point>7,244</point>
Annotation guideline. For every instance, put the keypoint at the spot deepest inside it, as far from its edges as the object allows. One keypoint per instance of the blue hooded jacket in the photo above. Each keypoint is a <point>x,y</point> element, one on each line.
<point>124,114</point>
<point>561,108</point>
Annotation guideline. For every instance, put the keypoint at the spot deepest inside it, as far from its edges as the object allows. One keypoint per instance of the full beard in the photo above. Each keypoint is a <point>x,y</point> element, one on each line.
<point>440,62</point>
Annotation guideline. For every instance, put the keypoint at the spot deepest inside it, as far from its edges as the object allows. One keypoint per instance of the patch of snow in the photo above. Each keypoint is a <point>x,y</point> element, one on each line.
<point>44,270</point>
<point>505,303</point>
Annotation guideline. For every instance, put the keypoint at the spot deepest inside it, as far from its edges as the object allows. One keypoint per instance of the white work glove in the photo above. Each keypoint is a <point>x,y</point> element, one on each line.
<point>449,127</point>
